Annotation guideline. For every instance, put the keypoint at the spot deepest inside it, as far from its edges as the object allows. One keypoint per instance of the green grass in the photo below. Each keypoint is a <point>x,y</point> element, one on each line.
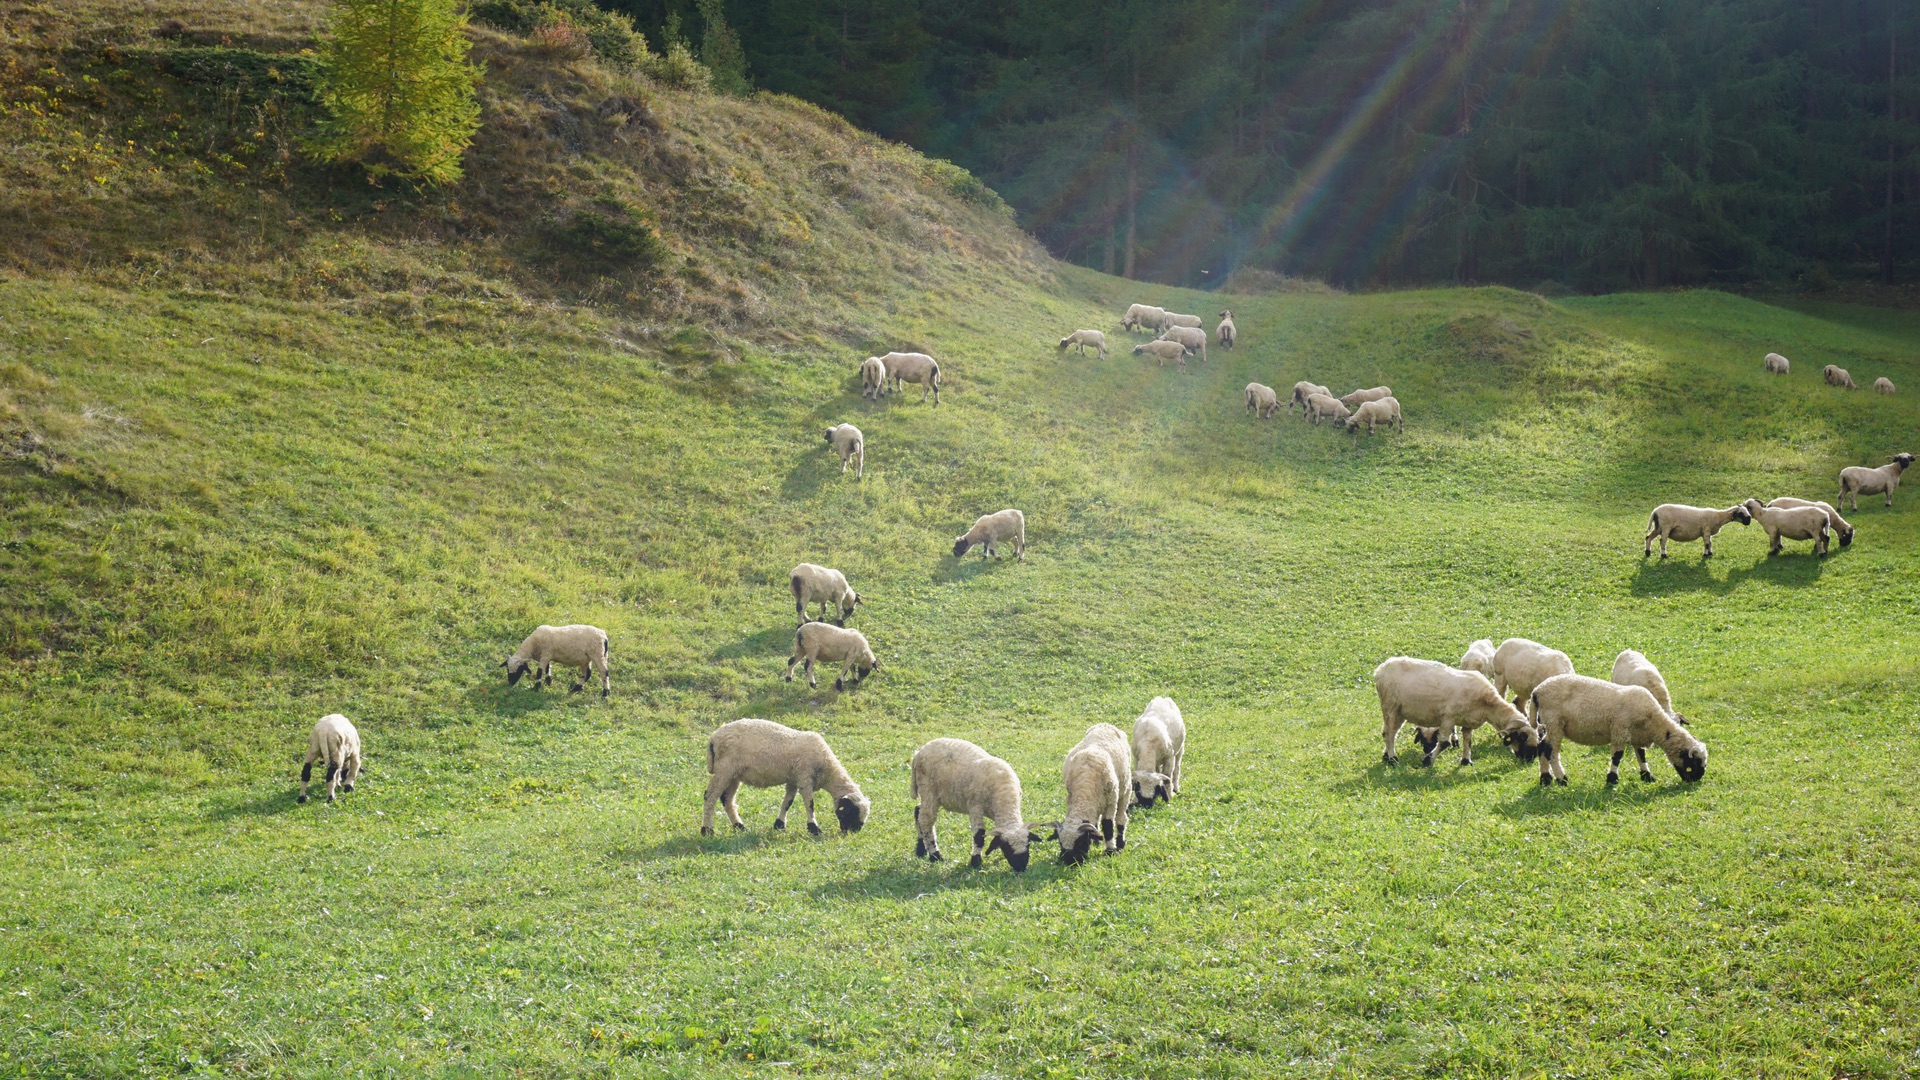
<point>232,516</point>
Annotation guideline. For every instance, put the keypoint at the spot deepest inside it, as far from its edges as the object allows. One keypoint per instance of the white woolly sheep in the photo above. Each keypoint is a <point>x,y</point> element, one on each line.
<point>1159,751</point>
<point>847,441</point>
<point>1262,401</point>
<point>1194,338</point>
<point>873,378</point>
<point>1443,700</point>
<point>1175,319</point>
<point>1683,524</point>
<point>1837,376</point>
<point>576,646</point>
<point>1080,339</point>
<point>956,775</point>
<point>1593,712</point>
<point>990,530</point>
<point>812,584</point>
<point>1858,480</point>
<point>1163,351</point>
<point>830,644</point>
<point>336,743</point>
<point>1361,397</point>
<point>1791,523</point>
<point>1384,410</point>
<point>1632,668</point>
<point>1228,334</point>
<point>1519,665</point>
<point>1842,528</point>
<point>763,754</point>
<point>1478,657</point>
<point>1321,406</point>
<point>914,367</point>
<point>1776,363</point>
<point>1095,774</point>
<point>1303,390</point>
<point>1143,317</point>
<point>1883,385</point>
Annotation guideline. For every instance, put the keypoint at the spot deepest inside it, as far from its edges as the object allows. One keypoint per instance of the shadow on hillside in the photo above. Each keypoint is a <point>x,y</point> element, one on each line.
<point>970,565</point>
<point>1587,791</point>
<point>774,644</point>
<point>920,879</point>
<point>725,841</point>
<point>1490,764</point>
<point>269,805</point>
<point>1657,577</point>
<point>817,467</point>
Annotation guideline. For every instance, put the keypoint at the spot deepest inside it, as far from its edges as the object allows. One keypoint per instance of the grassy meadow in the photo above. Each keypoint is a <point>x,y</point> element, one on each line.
<point>234,515</point>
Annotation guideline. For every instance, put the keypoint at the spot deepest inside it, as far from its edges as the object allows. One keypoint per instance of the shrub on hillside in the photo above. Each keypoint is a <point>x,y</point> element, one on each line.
<point>608,237</point>
<point>609,34</point>
<point>678,68</point>
<point>398,89</point>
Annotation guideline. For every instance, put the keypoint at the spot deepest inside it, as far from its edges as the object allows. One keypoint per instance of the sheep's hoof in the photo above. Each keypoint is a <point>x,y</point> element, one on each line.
<point>919,848</point>
<point>300,798</point>
<point>1562,781</point>
<point>973,863</point>
<point>739,826</point>
<point>349,789</point>
<point>1465,761</point>
<point>604,691</point>
<point>839,684</point>
<point>780,824</point>
<point>576,688</point>
<point>1646,778</point>
<point>706,830</point>
<point>1545,780</point>
<point>1120,843</point>
<point>813,829</point>
<point>1389,759</point>
<point>935,856</point>
<point>1612,779</point>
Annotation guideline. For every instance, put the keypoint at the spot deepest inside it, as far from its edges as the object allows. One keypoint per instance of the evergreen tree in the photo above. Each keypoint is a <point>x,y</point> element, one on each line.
<point>398,89</point>
<point>720,49</point>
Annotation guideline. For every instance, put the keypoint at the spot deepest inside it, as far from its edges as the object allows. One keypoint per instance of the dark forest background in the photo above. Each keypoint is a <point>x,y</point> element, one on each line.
<point>1591,143</point>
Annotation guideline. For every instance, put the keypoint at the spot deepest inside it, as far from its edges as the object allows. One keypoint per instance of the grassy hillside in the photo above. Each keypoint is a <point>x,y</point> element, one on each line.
<point>232,500</point>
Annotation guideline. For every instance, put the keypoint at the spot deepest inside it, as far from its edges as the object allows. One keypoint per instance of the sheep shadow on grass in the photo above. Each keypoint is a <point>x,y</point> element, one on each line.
<point>263,805</point>
<point>920,878</point>
<point>815,468</point>
<point>969,566</point>
<point>765,644</point>
<point>1587,791</point>
<point>691,844</point>
<point>1657,577</point>
<point>1490,765</point>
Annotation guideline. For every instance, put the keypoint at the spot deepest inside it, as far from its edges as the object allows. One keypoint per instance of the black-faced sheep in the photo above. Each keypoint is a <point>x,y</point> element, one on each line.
<point>914,367</point>
<point>990,530</point>
<point>1791,523</point>
<point>1384,410</point>
<point>1682,524</point>
<point>1776,364</point>
<point>1095,774</point>
<point>956,775</point>
<point>763,754</point>
<point>1159,750</point>
<point>1519,665</point>
<point>1262,401</point>
<point>1163,351</point>
<point>1194,338</point>
<point>873,378</point>
<point>1228,334</point>
<point>1883,385</point>
<point>847,441</point>
<point>1080,339</point>
<point>1842,528</point>
<point>830,644</point>
<point>336,743</point>
<point>576,646</point>
<point>1632,668</point>
<point>1431,695</point>
<point>812,584</point>
<point>1303,390</point>
<point>1322,407</point>
<point>1837,376</point>
<point>1858,480</point>
<point>1593,712</point>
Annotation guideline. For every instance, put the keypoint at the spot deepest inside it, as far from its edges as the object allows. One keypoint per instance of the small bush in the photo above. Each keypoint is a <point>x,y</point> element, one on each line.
<point>611,236</point>
<point>608,34</point>
<point>963,185</point>
<point>678,69</point>
<point>560,38</point>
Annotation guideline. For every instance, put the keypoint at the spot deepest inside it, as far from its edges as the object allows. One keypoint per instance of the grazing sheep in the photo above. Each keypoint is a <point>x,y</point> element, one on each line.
<point>914,367</point>
<point>1361,397</point>
<point>1303,390</point>
<point>1163,351</point>
<point>1229,334</point>
<point>1519,665</point>
<point>1682,524</point>
<point>763,754</point>
<point>577,646</point>
<point>953,774</point>
<point>992,529</point>
<point>1858,480</point>
<point>1095,775</point>
<point>1883,385</point>
<point>1144,317</point>
<point>1080,339</point>
<point>1791,523</point>
<point>873,378</point>
<point>1321,406</point>
<point>813,584</point>
<point>335,742</point>
<point>1174,319</point>
<point>830,644</point>
<point>847,441</point>
<point>1159,749</point>
<point>1194,338</point>
<point>1776,363</point>
<point>1431,695</point>
<point>1593,712</point>
<point>1837,376</point>
<point>1262,400</point>
<point>1632,668</point>
<point>1478,657</point>
<point>1384,410</point>
<point>1841,527</point>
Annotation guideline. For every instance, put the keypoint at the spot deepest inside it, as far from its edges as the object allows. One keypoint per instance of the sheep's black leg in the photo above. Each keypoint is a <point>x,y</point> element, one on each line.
<point>813,823</point>
<point>785,805</point>
<point>979,844</point>
<point>306,777</point>
<point>1646,774</point>
<point>1106,830</point>
<point>1613,768</point>
<point>333,773</point>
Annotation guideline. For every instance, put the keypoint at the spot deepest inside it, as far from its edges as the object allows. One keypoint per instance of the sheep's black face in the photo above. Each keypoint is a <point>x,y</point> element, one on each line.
<point>960,547</point>
<point>1691,765</point>
<point>852,815</point>
<point>1018,860</point>
<point>1903,460</point>
<point>1527,744</point>
<point>1074,852</point>
<point>1846,537</point>
<point>1428,738</point>
<point>515,669</point>
<point>1741,515</point>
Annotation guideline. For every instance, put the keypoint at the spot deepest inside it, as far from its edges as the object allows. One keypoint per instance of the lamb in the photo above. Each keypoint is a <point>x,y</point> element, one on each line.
<point>1384,410</point>
<point>1262,400</point>
<point>1632,668</point>
<point>1519,665</point>
<point>847,441</point>
<point>336,742</point>
<point>1682,524</point>
<point>1837,376</point>
<point>1094,775</point>
<point>1228,334</point>
<point>1143,317</point>
<point>1321,406</point>
<point>576,646</point>
<point>1858,480</point>
<point>1080,339</point>
<point>1593,712</point>
<point>914,367</point>
<point>1429,694</point>
<point>1194,338</point>
<point>1159,749</point>
<point>1478,657</point>
<point>1841,527</point>
<point>1169,318</point>
<point>1883,385</point>
<point>1776,364</point>
<point>1791,523</point>
<point>813,584</point>
<point>992,529</point>
<point>873,378</point>
<point>830,644</point>
<point>956,775</point>
<point>1303,390</point>
<point>763,754</point>
<point>1361,397</point>
<point>1163,351</point>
